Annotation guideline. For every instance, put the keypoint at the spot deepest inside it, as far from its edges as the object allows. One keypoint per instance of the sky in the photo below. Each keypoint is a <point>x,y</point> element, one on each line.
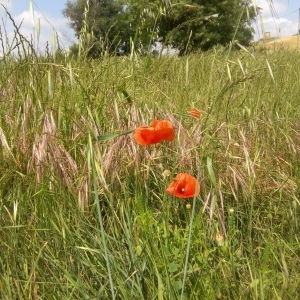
<point>46,17</point>
<point>279,17</point>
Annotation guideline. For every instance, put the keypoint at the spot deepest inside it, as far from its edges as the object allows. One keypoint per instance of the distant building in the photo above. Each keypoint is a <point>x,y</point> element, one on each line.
<point>267,35</point>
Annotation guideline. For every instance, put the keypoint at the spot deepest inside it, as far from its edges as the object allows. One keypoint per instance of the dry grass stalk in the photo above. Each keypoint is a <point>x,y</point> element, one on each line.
<point>24,126</point>
<point>39,151</point>
<point>189,139</point>
<point>7,153</point>
<point>83,193</point>
<point>249,151</point>
<point>121,150</point>
<point>49,154</point>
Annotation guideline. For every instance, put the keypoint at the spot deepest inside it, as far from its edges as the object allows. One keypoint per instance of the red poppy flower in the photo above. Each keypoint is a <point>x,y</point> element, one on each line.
<point>160,130</point>
<point>195,113</point>
<point>184,186</point>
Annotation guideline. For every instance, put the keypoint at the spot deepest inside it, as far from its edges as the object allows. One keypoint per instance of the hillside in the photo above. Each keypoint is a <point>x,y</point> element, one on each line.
<point>289,42</point>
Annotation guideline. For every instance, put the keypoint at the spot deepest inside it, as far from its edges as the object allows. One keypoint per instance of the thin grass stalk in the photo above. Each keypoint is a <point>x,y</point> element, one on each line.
<point>93,169</point>
<point>21,36</point>
<point>31,277</point>
<point>188,247</point>
<point>2,46</point>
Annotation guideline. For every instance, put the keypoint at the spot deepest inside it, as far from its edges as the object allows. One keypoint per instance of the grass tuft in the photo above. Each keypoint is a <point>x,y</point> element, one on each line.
<point>87,217</point>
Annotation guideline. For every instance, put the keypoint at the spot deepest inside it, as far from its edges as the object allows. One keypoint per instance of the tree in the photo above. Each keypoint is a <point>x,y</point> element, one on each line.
<point>113,26</point>
<point>142,17</point>
<point>201,24</point>
<point>118,26</point>
<point>96,23</point>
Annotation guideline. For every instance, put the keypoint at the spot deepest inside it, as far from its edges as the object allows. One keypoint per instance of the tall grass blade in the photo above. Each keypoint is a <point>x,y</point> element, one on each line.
<point>94,174</point>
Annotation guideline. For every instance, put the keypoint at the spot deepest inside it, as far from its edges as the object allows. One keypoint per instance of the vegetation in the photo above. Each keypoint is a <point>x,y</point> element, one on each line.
<point>118,26</point>
<point>203,24</point>
<point>86,216</point>
<point>88,213</point>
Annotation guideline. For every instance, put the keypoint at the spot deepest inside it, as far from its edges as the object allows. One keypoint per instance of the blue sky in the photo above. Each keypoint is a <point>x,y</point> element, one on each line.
<point>279,17</point>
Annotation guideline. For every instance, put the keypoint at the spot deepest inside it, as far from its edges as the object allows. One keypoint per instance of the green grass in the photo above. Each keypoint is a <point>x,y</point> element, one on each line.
<point>82,218</point>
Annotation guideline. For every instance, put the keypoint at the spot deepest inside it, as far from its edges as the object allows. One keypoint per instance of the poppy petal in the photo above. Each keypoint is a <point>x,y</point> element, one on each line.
<point>159,124</point>
<point>166,134</point>
<point>161,130</point>
<point>164,129</point>
<point>145,136</point>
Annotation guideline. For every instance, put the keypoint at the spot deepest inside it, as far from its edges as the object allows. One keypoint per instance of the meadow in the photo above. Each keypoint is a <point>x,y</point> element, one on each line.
<point>83,208</point>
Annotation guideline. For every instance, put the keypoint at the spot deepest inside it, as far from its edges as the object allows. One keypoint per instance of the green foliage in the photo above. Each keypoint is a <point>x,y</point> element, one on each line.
<point>200,25</point>
<point>113,26</point>
<point>123,26</point>
<point>96,24</point>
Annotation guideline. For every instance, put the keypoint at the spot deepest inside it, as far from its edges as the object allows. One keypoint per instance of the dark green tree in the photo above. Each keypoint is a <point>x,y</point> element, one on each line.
<point>96,24</point>
<point>142,16</point>
<point>191,25</point>
<point>113,26</point>
<point>118,26</point>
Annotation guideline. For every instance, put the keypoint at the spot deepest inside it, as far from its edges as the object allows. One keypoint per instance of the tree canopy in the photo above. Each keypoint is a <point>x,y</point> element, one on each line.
<point>118,26</point>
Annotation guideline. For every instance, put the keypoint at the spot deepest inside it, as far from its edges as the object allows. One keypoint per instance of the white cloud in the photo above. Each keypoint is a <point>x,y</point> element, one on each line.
<point>269,8</point>
<point>279,27</point>
<point>272,19</point>
<point>41,30</point>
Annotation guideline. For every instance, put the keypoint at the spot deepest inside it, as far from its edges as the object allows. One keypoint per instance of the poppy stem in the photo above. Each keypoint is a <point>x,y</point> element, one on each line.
<point>188,246</point>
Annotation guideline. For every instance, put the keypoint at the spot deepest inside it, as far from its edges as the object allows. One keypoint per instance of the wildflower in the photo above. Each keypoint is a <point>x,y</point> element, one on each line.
<point>160,130</point>
<point>195,113</point>
<point>166,173</point>
<point>184,186</point>
<point>219,238</point>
